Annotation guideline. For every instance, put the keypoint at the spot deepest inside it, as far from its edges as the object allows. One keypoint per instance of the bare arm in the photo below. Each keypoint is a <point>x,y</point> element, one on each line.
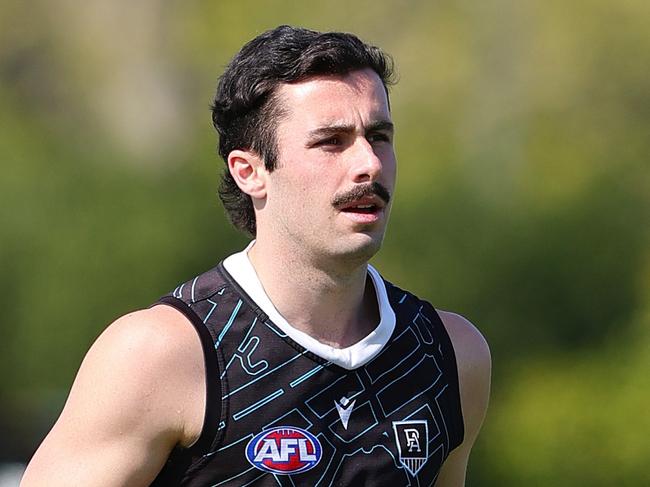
<point>474,369</point>
<point>140,391</point>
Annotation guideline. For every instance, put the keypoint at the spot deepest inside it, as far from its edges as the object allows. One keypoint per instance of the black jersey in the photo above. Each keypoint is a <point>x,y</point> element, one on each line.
<point>279,414</point>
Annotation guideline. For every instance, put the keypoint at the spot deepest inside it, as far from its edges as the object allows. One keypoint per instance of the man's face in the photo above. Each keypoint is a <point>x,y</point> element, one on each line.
<point>329,195</point>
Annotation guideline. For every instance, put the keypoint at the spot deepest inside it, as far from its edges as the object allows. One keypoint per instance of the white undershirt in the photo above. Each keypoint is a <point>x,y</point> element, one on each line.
<point>241,269</point>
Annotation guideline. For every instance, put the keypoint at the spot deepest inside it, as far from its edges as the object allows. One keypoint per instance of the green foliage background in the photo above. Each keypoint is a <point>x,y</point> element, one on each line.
<point>523,199</point>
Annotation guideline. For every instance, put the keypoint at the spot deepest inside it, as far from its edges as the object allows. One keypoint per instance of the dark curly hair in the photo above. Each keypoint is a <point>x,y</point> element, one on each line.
<point>245,110</point>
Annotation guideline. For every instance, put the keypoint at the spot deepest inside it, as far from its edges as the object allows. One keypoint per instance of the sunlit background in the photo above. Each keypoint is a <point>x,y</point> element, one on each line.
<point>523,200</point>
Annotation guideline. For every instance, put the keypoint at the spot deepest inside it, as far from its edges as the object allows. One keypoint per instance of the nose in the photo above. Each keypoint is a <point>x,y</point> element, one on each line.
<point>366,165</point>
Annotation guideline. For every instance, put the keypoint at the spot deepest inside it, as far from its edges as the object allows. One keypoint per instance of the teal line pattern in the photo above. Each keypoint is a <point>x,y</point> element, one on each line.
<point>305,376</point>
<point>255,406</point>
<point>229,324</point>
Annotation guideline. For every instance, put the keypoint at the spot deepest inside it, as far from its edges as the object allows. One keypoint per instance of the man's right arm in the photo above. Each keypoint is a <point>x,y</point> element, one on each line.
<point>139,392</point>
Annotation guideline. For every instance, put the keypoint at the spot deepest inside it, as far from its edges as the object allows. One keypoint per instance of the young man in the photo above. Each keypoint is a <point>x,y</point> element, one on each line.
<point>293,362</point>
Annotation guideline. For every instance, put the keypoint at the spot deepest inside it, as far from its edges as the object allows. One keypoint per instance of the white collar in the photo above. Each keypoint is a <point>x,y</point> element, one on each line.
<point>241,269</point>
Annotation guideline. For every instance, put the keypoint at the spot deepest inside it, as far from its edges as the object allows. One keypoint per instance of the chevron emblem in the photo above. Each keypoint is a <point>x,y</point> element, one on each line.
<point>344,407</point>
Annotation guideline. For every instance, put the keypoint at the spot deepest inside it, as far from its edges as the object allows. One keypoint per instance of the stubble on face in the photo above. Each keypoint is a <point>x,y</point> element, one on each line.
<point>314,179</point>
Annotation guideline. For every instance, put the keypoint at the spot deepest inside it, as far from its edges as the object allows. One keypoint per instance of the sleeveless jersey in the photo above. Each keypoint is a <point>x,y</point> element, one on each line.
<point>279,414</point>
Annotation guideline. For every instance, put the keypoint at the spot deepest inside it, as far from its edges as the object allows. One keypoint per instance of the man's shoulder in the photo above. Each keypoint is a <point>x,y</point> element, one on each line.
<point>470,346</point>
<point>138,393</point>
<point>461,331</point>
<point>153,346</point>
<point>202,286</point>
<point>468,341</point>
<point>152,361</point>
<point>157,331</point>
<point>474,364</point>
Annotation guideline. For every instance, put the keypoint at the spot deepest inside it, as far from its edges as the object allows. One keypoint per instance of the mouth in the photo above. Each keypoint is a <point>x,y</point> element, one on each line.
<point>365,210</point>
<point>361,209</point>
<point>365,205</point>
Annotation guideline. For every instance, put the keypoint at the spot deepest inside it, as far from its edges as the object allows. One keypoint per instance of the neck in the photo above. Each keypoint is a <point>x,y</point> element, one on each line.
<point>336,305</point>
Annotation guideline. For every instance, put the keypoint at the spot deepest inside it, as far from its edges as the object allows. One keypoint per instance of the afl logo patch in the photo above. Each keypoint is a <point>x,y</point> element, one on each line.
<point>284,450</point>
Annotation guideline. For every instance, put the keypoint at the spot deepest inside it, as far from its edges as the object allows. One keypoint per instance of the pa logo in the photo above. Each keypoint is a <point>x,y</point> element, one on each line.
<point>284,450</point>
<point>412,439</point>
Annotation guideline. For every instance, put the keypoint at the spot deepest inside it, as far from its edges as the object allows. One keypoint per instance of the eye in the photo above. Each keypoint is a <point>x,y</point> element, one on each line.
<point>333,140</point>
<point>330,144</point>
<point>378,137</point>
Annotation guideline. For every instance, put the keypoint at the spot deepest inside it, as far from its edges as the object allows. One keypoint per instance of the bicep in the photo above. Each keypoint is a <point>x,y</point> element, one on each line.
<point>117,427</point>
<point>474,371</point>
<point>76,454</point>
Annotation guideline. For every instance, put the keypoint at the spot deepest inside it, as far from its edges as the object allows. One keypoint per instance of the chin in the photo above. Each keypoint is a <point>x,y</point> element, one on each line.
<point>360,247</point>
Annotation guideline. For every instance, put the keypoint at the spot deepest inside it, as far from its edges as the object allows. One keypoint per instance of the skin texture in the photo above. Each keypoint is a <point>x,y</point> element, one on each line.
<point>337,135</point>
<point>474,371</point>
<point>139,391</point>
<point>141,388</point>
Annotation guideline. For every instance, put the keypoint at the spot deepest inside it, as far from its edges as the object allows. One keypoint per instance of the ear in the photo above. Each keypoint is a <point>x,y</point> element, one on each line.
<point>248,171</point>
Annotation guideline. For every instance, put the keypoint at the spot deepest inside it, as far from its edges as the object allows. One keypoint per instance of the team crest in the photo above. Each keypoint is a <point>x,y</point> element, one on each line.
<point>284,450</point>
<point>412,439</point>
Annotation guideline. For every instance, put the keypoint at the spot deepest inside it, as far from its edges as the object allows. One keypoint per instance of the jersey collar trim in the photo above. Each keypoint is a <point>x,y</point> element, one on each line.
<point>240,268</point>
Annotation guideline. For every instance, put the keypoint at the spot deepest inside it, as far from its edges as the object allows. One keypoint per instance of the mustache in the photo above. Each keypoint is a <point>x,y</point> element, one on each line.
<point>361,191</point>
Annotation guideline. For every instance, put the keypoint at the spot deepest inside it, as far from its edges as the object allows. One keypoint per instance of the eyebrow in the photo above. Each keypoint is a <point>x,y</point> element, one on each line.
<point>342,128</point>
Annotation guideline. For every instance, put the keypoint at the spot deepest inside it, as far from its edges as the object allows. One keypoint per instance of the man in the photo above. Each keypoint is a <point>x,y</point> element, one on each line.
<point>293,362</point>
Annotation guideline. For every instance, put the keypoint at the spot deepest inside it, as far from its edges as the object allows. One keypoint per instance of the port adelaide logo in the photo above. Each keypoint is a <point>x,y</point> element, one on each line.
<point>412,438</point>
<point>284,450</point>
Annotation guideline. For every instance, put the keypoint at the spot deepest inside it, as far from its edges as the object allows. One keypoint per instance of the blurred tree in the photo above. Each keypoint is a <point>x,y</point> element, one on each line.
<point>523,199</point>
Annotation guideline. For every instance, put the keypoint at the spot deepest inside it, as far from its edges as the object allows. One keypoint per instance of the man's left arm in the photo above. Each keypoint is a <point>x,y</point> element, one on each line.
<point>474,370</point>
